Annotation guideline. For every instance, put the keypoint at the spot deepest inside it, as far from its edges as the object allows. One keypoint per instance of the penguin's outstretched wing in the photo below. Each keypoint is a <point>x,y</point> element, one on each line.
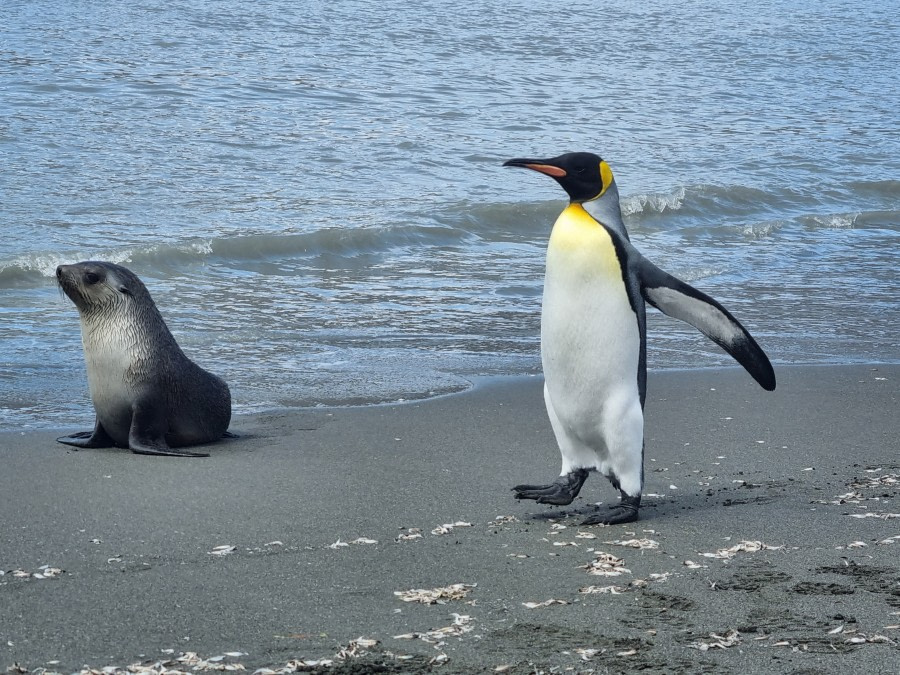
<point>682,301</point>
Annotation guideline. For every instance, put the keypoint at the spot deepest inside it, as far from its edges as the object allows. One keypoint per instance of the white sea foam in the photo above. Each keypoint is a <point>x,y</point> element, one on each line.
<point>658,203</point>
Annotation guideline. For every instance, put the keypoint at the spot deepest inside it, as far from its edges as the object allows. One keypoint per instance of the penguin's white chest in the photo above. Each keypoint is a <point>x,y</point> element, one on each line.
<point>590,338</point>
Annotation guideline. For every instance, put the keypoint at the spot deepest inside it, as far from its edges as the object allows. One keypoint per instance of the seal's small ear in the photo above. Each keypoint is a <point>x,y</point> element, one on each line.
<point>124,290</point>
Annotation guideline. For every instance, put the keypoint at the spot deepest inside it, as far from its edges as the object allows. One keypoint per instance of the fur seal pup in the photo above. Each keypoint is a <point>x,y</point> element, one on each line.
<point>147,394</point>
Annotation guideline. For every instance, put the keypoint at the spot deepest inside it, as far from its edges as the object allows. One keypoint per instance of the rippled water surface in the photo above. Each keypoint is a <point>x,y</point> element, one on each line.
<point>313,191</point>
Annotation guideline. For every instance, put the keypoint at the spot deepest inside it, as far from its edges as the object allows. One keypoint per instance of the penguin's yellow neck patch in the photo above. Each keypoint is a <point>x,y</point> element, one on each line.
<point>606,175</point>
<point>606,178</point>
<point>583,242</point>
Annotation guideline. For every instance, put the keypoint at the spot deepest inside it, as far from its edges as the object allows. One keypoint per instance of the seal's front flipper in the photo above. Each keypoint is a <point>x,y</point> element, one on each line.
<point>626,511</point>
<point>682,301</point>
<point>147,435</point>
<point>560,492</point>
<point>98,438</point>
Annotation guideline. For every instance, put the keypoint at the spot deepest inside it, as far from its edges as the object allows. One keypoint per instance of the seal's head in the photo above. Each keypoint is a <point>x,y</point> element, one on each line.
<point>94,284</point>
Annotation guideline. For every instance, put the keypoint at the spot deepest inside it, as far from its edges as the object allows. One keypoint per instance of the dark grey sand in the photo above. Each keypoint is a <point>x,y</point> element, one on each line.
<point>725,463</point>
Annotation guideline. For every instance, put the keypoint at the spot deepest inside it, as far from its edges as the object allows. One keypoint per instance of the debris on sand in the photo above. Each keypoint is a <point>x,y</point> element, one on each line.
<point>223,550</point>
<point>436,596</point>
<point>545,603</point>
<point>462,624</point>
<point>634,584</point>
<point>636,543</point>
<point>612,590</point>
<point>883,480</point>
<point>43,572</point>
<point>856,638</point>
<point>502,520</point>
<point>730,639</point>
<point>293,666</point>
<point>410,534</point>
<point>587,654</point>
<point>606,565</point>
<point>355,649</point>
<point>448,527</point>
<point>742,547</point>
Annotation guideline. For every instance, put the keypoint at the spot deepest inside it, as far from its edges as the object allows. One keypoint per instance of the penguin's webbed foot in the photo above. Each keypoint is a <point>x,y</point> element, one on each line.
<point>626,511</point>
<point>560,492</point>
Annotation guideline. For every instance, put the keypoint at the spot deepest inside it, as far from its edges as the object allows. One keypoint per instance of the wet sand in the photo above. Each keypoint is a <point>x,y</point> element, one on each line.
<point>315,503</point>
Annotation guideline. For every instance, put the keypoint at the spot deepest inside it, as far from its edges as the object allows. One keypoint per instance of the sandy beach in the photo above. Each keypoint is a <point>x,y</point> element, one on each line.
<point>769,540</point>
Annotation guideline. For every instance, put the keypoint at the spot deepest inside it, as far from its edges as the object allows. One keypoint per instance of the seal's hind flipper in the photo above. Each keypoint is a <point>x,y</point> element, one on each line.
<point>147,435</point>
<point>98,438</point>
<point>682,301</point>
<point>165,451</point>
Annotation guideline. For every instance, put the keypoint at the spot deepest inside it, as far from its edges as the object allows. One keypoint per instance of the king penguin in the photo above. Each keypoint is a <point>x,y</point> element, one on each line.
<point>593,337</point>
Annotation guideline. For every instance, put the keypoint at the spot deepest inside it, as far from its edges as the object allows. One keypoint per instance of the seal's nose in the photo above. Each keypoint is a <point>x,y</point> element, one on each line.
<point>59,271</point>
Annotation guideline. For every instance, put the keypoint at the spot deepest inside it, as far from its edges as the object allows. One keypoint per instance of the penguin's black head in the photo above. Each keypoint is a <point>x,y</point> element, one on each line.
<point>583,175</point>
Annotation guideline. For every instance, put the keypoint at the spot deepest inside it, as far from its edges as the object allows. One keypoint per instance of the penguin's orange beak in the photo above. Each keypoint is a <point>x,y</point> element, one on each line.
<point>540,165</point>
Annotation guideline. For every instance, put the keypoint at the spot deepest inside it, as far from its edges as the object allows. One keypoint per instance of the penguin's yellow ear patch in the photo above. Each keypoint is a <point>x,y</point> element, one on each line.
<point>606,176</point>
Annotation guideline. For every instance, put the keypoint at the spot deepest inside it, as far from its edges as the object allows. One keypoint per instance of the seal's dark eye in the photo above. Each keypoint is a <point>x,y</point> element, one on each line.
<point>91,278</point>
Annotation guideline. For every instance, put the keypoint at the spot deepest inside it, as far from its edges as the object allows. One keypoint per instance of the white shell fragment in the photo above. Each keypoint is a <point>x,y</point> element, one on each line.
<point>636,543</point>
<point>545,603</point>
<point>411,533</point>
<point>355,649</point>
<point>612,590</point>
<point>501,520</point>
<point>436,596</point>
<point>461,625</point>
<point>606,565</point>
<point>877,481</point>
<point>742,547</point>
<point>43,572</point>
<point>730,639</point>
<point>449,527</point>
<point>587,654</point>
<point>225,549</point>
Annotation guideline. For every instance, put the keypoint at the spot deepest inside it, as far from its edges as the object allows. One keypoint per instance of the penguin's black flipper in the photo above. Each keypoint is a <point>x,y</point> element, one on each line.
<point>682,301</point>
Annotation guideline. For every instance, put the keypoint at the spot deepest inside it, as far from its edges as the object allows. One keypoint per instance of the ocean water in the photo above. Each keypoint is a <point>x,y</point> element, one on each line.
<point>313,191</point>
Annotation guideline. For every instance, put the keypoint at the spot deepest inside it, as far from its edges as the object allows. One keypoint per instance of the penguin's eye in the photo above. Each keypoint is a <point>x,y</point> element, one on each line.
<point>91,278</point>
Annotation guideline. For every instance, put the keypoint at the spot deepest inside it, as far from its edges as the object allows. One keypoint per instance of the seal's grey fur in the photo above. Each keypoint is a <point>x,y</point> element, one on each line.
<point>147,394</point>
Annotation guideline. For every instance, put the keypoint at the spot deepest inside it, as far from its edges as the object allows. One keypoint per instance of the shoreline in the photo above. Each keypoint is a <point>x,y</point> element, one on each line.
<point>467,384</point>
<point>142,542</point>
